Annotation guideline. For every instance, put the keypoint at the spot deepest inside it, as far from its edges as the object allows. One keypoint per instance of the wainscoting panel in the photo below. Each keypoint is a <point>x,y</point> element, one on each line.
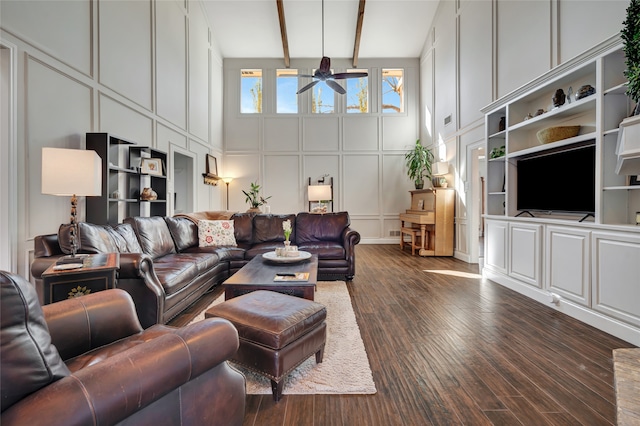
<point>525,253</point>
<point>171,75</point>
<point>281,133</point>
<point>126,71</point>
<point>125,122</point>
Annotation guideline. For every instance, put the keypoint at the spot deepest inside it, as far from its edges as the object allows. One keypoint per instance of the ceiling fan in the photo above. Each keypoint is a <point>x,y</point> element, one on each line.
<point>323,73</point>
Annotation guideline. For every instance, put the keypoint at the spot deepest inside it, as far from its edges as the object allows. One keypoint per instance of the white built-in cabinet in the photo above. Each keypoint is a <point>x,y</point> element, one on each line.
<point>588,268</point>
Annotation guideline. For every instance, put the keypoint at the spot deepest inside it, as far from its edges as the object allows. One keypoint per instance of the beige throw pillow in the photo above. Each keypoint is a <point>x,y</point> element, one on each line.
<point>216,233</point>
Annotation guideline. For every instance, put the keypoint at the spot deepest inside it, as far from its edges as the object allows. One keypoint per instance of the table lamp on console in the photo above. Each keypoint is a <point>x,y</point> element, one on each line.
<point>71,173</point>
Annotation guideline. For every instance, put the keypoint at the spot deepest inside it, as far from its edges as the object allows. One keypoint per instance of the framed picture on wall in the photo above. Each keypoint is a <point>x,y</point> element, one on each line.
<point>151,166</point>
<point>212,165</point>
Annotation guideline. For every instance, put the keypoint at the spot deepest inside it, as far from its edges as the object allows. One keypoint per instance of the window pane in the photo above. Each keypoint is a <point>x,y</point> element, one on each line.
<point>392,91</point>
<point>357,93</point>
<point>251,91</point>
<point>287,86</point>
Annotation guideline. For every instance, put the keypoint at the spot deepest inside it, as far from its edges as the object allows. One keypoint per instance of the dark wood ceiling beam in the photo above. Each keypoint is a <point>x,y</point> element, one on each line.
<point>356,44</point>
<point>283,33</point>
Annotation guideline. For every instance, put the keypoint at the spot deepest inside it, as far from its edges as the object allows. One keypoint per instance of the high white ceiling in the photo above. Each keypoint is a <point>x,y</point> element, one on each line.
<point>390,28</point>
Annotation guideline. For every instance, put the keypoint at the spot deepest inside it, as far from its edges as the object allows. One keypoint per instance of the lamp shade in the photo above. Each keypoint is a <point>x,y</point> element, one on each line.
<point>319,192</point>
<point>440,168</point>
<point>71,172</point>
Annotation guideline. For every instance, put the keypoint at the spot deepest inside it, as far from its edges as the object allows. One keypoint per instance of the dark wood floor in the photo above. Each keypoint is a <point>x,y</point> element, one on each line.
<point>448,348</point>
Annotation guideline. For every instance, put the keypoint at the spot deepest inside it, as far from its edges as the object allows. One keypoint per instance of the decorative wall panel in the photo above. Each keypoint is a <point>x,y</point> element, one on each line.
<point>58,114</point>
<point>125,122</point>
<point>199,79</point>
<point>39,22</point>
<point>282,134</point>
<point>360,133</point>
<point>361,184</point>
<point>126,70</point>
<point>171,62</point>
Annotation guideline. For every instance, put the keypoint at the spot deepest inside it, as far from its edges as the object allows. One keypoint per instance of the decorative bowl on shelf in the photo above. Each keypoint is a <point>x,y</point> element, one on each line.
<point>557,133</point>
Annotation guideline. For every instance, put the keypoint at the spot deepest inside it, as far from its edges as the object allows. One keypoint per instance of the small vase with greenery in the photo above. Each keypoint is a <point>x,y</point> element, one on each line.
<point>253,197</point>
<point>630,35</point>
<point>418,161</point>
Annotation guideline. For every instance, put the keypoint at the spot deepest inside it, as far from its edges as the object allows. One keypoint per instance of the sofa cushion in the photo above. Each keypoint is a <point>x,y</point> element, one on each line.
<point>268,227</point>
<point>175,272</point>
<point>28,359</point>
<point>216,233</point>
<point>94,238</point>
<point>184,232</point>
<point>153,235</point>
<point>320,227</point>
<point>324,249</point>
<point>125,239</point>
<point>91,238</point>
<point>243,227</point>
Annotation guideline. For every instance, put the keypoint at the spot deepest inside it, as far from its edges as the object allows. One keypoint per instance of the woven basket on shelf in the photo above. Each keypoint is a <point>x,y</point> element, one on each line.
<point>554,134</point>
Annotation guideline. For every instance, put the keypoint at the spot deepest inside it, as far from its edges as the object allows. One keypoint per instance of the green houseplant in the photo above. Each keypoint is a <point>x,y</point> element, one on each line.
<point>630,35</point>
<point>418,161</point>
<point>253,197</point>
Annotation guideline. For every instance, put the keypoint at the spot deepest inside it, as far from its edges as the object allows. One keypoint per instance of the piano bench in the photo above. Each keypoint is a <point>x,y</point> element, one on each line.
<point>416,239</point>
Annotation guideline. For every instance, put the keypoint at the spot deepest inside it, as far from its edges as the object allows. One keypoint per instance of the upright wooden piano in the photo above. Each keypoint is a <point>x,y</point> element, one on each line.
<point>431,213</point>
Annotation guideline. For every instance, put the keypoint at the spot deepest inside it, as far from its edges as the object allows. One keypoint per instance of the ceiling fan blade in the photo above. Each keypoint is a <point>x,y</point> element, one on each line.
<point>307,87</point>
<point>342,75</point>
<point>335,86</point>
<point>305,75</point>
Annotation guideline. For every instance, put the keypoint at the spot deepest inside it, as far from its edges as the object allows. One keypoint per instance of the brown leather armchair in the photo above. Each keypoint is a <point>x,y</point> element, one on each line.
<point>87,361</point>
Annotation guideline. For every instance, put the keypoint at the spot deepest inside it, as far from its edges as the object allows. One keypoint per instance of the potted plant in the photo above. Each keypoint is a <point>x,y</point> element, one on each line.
<point>630,35</point>
<point>254,198</point>
<point>418,161</point>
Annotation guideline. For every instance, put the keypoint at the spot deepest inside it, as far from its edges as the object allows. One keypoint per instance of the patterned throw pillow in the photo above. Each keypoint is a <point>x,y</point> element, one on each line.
<point>216,233</point>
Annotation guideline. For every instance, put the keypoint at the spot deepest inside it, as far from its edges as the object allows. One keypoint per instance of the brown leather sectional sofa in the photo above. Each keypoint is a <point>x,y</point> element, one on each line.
<point>164,270</point>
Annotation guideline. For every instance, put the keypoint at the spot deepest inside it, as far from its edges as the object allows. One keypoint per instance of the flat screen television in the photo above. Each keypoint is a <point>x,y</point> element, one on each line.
<point>558,182</point>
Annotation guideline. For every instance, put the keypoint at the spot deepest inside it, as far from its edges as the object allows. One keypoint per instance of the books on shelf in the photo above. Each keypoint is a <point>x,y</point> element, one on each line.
<point>293,276</point>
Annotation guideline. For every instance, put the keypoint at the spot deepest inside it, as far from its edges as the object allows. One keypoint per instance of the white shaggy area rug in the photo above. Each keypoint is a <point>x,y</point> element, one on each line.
<point>345,367</point>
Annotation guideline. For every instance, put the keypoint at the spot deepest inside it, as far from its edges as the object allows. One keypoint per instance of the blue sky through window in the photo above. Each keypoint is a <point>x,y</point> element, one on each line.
<point>393,90</point>
<point>287,86</point>
<point>357,94</point>
<point>251,87</point>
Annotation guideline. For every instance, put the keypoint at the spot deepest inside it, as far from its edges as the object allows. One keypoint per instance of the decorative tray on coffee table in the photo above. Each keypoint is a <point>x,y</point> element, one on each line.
<point>272,257</point>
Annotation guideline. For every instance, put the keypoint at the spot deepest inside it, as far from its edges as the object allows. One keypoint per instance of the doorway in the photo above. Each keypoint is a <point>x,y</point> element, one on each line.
<point>183,182</point>
<point>8,160</point>
<point>477,168</point>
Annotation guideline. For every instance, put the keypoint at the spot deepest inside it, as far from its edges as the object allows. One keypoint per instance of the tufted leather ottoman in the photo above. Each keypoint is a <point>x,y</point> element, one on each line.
<point>277,332</point>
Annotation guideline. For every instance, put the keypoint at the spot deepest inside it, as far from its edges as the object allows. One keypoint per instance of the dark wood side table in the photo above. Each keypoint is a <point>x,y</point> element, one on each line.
<point>98,272</point>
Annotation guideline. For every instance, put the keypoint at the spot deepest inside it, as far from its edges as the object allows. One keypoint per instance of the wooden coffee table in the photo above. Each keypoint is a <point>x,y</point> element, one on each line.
<point>259,274</point>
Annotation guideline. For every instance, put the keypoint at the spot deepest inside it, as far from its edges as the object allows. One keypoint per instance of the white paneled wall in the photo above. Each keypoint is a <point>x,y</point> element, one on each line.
<point>480,50</point>
<point>364,153</point>
<point>142,70</point>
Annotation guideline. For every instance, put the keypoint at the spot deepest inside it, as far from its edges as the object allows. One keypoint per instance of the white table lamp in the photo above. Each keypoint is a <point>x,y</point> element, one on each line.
<point>71,173</point>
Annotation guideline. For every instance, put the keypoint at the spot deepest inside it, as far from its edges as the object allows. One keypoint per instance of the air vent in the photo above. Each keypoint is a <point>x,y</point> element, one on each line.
<point>447,119</point>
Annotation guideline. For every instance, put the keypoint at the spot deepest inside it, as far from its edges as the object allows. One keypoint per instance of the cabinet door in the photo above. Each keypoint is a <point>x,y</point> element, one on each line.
<point>495,246</point>
<point>525,253</point>
<point>568,251</point>
<point>616,275</point>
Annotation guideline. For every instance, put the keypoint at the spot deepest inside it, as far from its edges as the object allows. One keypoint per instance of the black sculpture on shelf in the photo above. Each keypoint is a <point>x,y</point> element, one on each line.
<point>559,98</point>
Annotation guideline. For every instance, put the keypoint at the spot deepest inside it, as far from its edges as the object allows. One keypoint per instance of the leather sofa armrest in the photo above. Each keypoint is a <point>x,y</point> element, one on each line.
<point>133,379</point>
<point>350,237</point>
<point>46,251</point>
<point>135,265</point>
<point>78,325</point>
